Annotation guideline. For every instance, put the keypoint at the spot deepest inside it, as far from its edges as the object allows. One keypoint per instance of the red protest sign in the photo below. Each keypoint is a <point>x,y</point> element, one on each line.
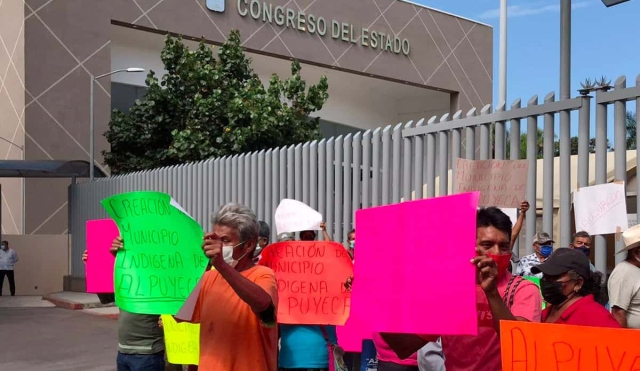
<point>311,278</point>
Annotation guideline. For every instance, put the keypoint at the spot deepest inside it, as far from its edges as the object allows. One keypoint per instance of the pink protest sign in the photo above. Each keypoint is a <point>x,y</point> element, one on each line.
<point>412,267</point>
<point>350,335</point>
<point>99,268</point>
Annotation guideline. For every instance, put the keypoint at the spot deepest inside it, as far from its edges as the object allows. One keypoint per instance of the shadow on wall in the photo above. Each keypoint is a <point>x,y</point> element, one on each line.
<point>43,262</point>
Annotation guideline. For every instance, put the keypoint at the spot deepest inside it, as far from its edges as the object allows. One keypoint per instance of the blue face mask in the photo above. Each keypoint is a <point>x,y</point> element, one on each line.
<point>352,244</point>
<point>546,250</point>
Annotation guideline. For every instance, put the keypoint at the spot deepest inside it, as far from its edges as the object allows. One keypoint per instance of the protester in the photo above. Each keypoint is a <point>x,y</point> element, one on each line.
<point>389,361</point>
<point>500,296</point>
<point>237,304</point>
<point>569,287</point>
<point>542,248</point>
<point>624,282</point>
<point>311,235</point>
<point>517,227</point>
<point>351,242</point>
<point>8,258</point>
<point>305,347</point>
<point>515,232</point>
<point>283,237</point>
<point>140,338</point>
<point>581,241</point>
<point>263,240</point>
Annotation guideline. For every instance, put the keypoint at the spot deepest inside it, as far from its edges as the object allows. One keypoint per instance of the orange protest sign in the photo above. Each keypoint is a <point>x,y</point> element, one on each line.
<point>311,278</point>
<point>528,346</point>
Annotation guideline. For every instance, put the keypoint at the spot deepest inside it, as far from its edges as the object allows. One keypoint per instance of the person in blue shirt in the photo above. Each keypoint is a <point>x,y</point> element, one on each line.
<point>304,347</point>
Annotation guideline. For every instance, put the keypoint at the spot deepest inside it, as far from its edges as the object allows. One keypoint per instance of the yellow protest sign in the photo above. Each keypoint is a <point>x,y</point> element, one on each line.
<point>182,341</point>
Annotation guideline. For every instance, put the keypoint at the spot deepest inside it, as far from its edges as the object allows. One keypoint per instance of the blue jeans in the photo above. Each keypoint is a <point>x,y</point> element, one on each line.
<point>140,362</point>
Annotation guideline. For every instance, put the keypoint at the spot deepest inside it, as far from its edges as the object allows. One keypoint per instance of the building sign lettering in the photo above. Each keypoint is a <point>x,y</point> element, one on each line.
<point>290,18</point>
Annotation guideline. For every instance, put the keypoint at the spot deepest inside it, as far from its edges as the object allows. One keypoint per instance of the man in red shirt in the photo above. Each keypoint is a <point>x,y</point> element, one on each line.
<point>500,296</point>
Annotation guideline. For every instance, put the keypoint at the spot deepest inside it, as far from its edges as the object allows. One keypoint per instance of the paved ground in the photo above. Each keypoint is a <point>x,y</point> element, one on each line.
<point>54,339</point>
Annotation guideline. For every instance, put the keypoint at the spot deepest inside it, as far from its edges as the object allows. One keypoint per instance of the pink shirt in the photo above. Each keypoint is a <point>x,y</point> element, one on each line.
<point>385,353</point>
<point>482,352</point>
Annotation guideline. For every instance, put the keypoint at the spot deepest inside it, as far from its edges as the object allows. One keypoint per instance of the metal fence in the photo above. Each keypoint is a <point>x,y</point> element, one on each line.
<point>340,175</point>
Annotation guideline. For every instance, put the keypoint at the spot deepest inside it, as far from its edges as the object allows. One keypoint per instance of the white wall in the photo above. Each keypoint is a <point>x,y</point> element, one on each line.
<point>354,100</point>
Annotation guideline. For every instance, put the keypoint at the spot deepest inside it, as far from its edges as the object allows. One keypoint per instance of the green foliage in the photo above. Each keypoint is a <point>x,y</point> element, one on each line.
<point>206,107</point>
<point>630,124</point>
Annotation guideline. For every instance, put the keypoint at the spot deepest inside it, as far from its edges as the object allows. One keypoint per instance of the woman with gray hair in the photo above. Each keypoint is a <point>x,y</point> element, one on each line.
<point>237,304</point>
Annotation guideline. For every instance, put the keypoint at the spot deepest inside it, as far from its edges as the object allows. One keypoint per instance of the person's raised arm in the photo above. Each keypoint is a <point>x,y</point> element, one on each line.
<point>515,232</point>
<point>325,234</point>
<point>255,296</point>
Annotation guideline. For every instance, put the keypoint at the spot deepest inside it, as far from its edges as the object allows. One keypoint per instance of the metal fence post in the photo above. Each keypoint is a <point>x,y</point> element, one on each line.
<point>620,155</point>
<point>532,157</point>
<point>548,168</point>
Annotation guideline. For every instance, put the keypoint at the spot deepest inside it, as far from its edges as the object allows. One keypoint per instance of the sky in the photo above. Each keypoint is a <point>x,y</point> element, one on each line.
<point>604,43</point>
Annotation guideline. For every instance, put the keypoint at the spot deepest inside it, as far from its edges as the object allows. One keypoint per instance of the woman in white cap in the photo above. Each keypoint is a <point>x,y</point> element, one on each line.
<point>569,286</point>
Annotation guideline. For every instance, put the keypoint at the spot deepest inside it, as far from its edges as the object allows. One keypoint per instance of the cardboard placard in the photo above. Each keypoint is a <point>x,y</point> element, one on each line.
<point>501,183</point>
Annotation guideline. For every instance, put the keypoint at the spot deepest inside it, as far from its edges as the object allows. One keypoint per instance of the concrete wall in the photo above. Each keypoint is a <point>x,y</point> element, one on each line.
<point>12,107</point>
<point>43,262</point>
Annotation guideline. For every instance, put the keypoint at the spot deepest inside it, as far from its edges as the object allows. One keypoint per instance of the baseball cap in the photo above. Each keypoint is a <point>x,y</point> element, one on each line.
<point>286,236</point>
<point>542,238</point>
<point>564,260</point>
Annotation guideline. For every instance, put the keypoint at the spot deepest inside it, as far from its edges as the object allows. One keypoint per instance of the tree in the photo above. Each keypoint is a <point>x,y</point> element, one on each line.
<point>630,124</point>
<point>556,145</point>
<point>206,107</point>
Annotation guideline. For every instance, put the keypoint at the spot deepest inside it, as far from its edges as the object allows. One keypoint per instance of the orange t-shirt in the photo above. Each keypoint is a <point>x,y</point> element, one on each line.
<point>232,337</point>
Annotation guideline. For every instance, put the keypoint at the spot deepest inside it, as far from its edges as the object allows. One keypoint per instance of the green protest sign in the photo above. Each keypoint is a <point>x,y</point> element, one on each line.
<point>162,259</point>
<point>536,280</point>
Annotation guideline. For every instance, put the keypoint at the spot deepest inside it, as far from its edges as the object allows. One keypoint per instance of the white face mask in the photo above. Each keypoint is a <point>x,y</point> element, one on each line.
<point>227,254</point>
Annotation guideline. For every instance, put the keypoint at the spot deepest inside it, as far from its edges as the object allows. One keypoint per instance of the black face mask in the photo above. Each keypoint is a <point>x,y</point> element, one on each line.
<point>552,292</point>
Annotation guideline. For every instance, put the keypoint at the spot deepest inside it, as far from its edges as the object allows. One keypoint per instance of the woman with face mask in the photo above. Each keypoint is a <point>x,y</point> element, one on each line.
<point>569,287</point>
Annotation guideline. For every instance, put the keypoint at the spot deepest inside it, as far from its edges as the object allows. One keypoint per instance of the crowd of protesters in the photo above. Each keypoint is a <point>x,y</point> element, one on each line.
<point>242,333</point>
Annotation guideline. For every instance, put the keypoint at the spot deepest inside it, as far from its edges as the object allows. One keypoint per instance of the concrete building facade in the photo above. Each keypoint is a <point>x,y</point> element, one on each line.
<point>387,61</point>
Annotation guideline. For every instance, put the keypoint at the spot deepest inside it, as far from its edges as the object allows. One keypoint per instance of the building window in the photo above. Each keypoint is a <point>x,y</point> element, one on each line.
<point>330,129</point>
<point>123,96</point>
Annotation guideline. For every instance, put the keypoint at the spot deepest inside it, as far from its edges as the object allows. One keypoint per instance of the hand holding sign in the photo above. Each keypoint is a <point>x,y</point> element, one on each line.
<point>213,248</point>
<point>295,216</point>
<point>311,278</point>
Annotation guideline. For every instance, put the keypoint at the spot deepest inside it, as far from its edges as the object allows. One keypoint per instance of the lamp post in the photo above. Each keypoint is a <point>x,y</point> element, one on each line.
<point>502,84</point>
<point>91,124</point>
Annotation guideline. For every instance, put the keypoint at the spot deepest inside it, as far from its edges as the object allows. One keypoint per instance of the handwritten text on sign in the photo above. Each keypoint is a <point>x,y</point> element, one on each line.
<point>182,341</point>
<point>501,183</point>
<point>601,209</point>
<point>162,259</point>
<point>545,346</point>
<point>311,278</point>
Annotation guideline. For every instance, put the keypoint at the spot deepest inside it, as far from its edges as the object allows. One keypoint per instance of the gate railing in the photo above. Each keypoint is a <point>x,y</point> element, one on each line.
<point>340,175</point>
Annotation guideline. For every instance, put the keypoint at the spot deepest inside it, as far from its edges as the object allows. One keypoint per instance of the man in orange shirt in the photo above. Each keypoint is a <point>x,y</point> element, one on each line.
<point>238,299</point>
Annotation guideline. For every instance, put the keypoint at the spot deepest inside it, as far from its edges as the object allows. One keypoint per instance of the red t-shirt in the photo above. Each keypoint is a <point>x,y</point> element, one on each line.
<point>482,352</point>
<point>584,312</point>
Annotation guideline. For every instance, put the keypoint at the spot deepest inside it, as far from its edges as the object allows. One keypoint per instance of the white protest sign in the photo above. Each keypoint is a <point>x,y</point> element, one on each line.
<point>295,216</point>
<point>601,209</point>
<point>511,213</point>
